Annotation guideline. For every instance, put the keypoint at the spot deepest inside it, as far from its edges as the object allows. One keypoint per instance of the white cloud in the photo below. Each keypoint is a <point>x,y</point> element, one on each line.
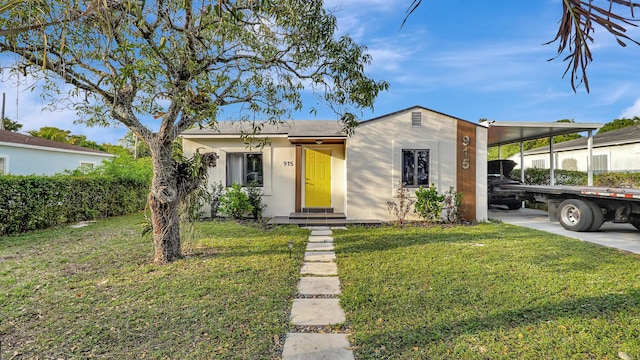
<point>631,111</point>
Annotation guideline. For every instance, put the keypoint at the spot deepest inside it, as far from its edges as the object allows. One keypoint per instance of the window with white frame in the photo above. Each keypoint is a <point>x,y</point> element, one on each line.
<point>244,169</point>
<point>537,164</point>
<point>3,166</point>
<point>415,167</point>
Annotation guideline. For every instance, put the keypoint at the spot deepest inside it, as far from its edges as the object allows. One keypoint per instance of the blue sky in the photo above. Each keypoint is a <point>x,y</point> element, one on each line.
<point>463,58</point>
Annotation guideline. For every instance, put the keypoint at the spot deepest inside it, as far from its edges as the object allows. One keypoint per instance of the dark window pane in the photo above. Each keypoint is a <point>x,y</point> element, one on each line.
<point>254,169</point>
<point>408,167</point>
<point>422,167</point>
<point>415,167</point>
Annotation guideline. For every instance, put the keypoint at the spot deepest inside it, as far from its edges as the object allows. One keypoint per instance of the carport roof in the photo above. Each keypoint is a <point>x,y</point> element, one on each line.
<point>507,132</point>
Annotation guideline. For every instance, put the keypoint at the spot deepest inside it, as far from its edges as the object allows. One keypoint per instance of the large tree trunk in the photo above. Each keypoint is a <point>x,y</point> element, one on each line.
<point>166,230</point>
<point>164,199</point>
<point>172,182</point>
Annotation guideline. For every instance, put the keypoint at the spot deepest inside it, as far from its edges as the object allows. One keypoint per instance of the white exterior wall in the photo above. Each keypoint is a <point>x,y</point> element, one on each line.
<point>619,158</point>
<point>482,200</point>
<point>22,160</point>
<point>374,156</point>
<point>279,188</point>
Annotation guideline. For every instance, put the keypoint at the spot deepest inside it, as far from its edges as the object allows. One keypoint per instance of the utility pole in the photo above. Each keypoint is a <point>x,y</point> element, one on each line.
<point>2,118</point>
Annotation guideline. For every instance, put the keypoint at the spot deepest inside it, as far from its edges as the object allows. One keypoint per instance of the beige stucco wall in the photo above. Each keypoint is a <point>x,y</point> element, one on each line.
<point>279,170</point>
<point>279,180</point>
<point>374,156</point>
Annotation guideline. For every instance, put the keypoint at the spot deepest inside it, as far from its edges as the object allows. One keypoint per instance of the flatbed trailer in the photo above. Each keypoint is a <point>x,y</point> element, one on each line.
<point>581,208</point>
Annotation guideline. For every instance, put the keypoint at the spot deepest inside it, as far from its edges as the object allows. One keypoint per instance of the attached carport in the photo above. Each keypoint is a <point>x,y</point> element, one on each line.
<point>506,132</point>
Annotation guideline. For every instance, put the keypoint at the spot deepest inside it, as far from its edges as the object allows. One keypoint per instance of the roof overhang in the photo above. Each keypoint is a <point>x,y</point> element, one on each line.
<point>317,140</point>
<point>506,132</point>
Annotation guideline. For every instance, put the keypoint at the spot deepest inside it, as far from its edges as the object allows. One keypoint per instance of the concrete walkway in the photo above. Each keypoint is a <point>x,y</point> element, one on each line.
<point>316,305</point>
<point>619,236</point>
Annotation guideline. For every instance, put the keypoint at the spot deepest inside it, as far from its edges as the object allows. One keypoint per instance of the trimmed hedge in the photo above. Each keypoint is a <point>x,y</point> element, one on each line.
<point>567,177</point>
<point>40,202</point>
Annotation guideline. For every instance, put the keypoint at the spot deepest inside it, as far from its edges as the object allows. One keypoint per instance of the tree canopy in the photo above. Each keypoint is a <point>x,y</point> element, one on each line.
<point>64,136</point>
<point>11,125</point>
<point>177,63</point>
<point>619,124</point>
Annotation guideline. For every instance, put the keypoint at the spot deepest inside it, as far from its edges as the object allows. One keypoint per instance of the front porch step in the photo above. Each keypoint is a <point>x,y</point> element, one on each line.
<point>318,210</point>
<point>285,220</point>
<point>317,216</point>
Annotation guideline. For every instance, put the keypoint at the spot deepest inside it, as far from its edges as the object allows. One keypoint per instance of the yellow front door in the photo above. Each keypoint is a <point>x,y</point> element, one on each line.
<point>317,178</point>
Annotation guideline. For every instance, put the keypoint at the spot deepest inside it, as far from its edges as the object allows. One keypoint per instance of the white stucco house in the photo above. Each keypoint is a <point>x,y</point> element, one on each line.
<point>312,164</point>
<point>613,151</point>
<point>28,155</point>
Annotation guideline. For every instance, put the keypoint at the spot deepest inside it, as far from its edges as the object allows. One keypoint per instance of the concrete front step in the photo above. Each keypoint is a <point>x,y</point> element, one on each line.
<point>317,210</point>
<point>316,312</point>
<point>327,285</point>
<point>319,268</point>
<point>301,346</point>
<point>285,220</point>
<point>306,215</point>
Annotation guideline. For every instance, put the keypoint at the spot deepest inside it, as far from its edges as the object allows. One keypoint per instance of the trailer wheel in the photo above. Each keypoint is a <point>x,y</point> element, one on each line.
<point>514,206</point>
<point>575,215</point>
<point>598,216</point>
<point>635,221</point>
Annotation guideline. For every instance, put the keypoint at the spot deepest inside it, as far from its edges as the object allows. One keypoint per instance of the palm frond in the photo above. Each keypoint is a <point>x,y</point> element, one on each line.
<point>575,33</point>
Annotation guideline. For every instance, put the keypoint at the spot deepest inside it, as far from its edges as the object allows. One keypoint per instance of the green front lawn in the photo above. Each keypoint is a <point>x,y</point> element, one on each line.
<point>93,292</point>
<point>478,292</point>
<point>492,291</point>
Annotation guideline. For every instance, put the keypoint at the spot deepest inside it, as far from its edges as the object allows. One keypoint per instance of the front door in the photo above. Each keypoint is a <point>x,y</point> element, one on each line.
<point>317,178</point>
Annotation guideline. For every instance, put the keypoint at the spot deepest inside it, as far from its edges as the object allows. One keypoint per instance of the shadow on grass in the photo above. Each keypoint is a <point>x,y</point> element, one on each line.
<point>606,306</point>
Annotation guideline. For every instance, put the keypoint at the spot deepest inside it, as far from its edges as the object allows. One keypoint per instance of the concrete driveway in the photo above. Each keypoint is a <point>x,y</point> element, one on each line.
<point>619,236</point>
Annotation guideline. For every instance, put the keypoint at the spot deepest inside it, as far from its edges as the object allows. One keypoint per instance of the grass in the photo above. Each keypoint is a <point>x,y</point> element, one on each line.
<point>492,291</point>
<point>93,292</point>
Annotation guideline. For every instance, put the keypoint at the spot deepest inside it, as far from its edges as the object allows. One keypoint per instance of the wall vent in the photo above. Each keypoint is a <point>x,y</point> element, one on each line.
<point>416,119</point>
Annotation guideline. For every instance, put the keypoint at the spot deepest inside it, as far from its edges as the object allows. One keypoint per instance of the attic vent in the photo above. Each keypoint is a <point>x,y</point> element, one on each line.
<point>416,119</point>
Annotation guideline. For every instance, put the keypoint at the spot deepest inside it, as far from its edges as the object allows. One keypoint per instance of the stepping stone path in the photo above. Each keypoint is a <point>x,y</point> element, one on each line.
<point>317,305</point>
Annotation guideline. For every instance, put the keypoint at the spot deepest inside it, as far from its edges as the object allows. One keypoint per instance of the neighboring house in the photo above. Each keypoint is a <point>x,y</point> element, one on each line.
<point>28,155</point>
<point>613,151</point>
<point>313,164</point>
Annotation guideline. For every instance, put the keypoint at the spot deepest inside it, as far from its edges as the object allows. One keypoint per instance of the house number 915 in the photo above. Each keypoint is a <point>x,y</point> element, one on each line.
<point>287,163</point>
<point>466,140</point>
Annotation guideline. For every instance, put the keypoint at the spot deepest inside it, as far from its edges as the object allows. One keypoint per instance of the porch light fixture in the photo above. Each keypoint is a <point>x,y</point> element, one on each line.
<point>319,142</point>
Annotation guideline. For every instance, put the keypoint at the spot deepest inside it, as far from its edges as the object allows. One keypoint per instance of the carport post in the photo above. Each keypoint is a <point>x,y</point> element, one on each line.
<point>552,163</point>
<point>522,161</point>
<point>590,159</point>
